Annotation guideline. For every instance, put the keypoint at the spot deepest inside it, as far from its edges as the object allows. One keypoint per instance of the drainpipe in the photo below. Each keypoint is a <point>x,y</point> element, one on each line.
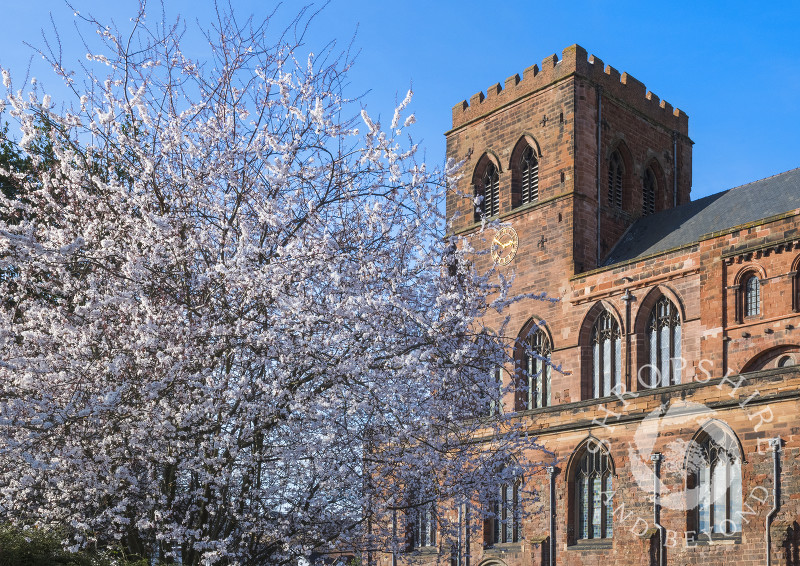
<point>775,443</point>
<point>460,528</point>
<point>551,472</point>
<point>674,168</point>
<point>656,458</point>
<point>467,536</point>
<point>599,131</point>
<point>394,537</point>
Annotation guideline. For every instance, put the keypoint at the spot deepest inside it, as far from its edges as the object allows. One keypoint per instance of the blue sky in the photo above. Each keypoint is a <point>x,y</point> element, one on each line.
<point>733,67</point>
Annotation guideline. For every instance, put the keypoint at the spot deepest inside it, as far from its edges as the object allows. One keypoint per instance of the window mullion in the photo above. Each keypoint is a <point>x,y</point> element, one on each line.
<point>727,492</point>
<point>712,502</point>
<point>670,349</point>
<point>659,349</point>
<point>602,507</point>
<point>590,506</point>
<point>530,379</point>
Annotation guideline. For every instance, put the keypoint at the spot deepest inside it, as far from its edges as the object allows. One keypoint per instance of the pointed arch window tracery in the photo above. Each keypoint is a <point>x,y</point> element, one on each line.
<point>537,370</point>
<point>425,526</point>
<point>664,344</point>
<point>504,523</point>
<point>606,355</point>
<point>714,464</point>
<point>594,494</point>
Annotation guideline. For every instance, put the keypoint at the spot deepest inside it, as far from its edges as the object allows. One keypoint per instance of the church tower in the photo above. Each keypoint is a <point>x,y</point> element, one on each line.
<point>676,322</point>
<point>571,154</point>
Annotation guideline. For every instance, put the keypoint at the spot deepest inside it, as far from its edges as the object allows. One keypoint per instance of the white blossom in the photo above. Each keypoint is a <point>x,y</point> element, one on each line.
<point>231,326</point>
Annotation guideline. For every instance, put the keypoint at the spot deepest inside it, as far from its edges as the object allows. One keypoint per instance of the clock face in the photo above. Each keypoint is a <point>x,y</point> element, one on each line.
<point>504,245</point>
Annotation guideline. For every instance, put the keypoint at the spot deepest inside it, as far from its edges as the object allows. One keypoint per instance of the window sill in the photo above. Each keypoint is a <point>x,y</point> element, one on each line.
<point>503,547</point>
<point>716,539</point>
<point>525,206</point>
<point>592,544</point>
<point>424,550</point>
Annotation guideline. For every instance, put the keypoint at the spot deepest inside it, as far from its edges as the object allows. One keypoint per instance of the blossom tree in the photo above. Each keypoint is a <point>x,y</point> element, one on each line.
<point>232,327</point>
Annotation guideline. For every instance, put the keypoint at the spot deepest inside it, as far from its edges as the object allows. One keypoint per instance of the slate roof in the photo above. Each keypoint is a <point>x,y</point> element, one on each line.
<point>688,223</point>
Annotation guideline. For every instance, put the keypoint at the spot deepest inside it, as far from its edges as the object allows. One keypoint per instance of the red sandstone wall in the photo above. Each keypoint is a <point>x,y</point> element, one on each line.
<point>756,409</point>
<point>557,249</point>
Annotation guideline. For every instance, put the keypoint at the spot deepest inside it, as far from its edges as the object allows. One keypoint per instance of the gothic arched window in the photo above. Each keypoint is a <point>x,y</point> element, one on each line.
<point>537,370</point>
<point>488,187</point>
<point>795,273</point>
<point>593,494</point>
<point>714,465</point>
<point>664,344</point>
<point>615,174</point>
<point>529,175</point>
<point>504,525</point>
<point>606,355</point>
<point>649,192</point>
<point>752,296</point>
<point>494,399</point>
<point>424,526</point>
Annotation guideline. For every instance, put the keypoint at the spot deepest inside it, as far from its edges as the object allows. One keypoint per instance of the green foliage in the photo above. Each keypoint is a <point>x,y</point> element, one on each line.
<point>40,547</point>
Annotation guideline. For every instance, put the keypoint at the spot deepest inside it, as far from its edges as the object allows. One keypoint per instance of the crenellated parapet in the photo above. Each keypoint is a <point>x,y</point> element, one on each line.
<point>574,61</point>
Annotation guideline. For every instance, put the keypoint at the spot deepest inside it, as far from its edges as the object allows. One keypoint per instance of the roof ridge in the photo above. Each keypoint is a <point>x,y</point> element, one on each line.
<point>759,180</point>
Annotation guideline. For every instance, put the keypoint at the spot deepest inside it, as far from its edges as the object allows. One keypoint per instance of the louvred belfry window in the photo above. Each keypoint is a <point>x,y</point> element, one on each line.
<point>615,173</point>
<point>490,190</point>
<point>649,193</point>
<point>593,494</point>
<point>529,172</point>
<point>606,355</point>
<point>664,343</point>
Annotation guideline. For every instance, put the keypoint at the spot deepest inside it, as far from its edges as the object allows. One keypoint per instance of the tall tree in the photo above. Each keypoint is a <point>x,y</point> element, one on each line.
<point>233,329</point>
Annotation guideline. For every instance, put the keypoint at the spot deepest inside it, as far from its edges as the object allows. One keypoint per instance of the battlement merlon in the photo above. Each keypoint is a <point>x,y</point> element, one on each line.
<point>574,60</point>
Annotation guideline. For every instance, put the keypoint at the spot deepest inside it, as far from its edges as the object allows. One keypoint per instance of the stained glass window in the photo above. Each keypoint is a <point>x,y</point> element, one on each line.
<point>425,526</point>
<point>537,370</point>
<point>752,296</point>
<point>716,469</point>
<point>506,520</point>
<point>495,397</point>
<point>664,342</point>
<point>608,490</point>
<point>594,494</point>
<point>606,355</point>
